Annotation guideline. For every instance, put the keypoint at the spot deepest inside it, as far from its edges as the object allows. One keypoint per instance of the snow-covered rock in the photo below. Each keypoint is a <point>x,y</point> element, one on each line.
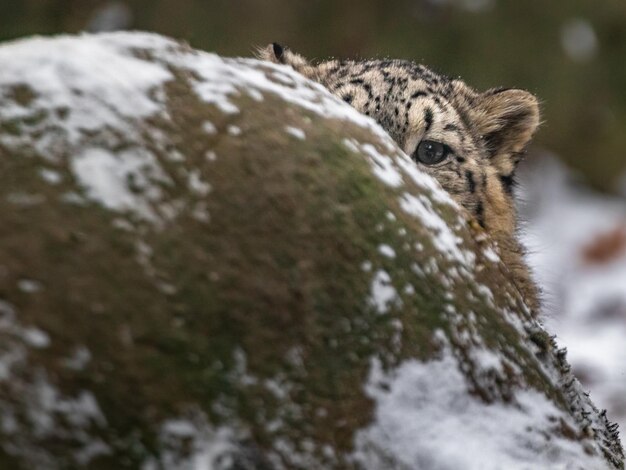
<point>212,263</point>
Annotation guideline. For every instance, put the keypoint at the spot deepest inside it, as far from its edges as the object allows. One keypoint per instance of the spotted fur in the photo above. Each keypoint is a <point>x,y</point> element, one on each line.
<point>486,133</point>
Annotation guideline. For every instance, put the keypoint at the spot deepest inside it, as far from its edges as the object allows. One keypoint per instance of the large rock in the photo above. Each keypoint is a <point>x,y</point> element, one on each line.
<point>212,263</point>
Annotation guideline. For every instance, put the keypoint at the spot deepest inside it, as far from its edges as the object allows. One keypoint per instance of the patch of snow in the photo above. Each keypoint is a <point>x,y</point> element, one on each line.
<point>79,411</point>
<point>209,128</point>
<point>107,179</point>
<point>30,336</point>
<point>296,132</point>
<point>486,359</point>
<point>352,145</point>
<point>240,370</point>
<point>491,255</point>
<point>382,292</point>
<point>486,293</point>
<point>175,156</point>
<point>425,181</point>
<point>36,337</point>
<point>51,414</point>
<point>50,176</point>
<point>298,454</point>
<point>279,388</point>
<point>197,184</point>
<point>256,95</point>
<point>191,443</point>
<point>73,198</point>
<point>386,250</point>
<point>383,166</point>
<point>445,240</point>
<point>424,410</point>
<point>233,130</point>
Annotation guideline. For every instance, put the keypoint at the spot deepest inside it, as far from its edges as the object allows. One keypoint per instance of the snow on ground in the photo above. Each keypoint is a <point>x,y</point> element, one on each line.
<point>577,243</point>
<point>431,400</point>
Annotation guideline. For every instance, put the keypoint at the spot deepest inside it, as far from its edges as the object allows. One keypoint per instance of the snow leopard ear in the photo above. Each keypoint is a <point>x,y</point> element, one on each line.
<point>506,119</point>
<point>283,55</point>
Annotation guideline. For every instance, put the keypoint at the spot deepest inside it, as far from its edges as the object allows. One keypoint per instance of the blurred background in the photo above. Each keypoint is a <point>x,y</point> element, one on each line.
<point>570,53</point>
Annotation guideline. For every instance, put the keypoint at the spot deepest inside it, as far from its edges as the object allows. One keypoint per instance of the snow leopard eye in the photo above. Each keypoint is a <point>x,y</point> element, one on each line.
<point>430,152</point>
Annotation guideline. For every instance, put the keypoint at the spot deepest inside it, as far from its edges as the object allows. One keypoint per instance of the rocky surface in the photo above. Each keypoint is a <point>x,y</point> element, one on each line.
<point>212,263</point>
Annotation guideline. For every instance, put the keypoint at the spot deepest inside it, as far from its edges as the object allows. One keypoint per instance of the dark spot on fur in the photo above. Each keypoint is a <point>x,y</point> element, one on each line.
<point>471,184</point>
<point>460,159</point>
<point>367,87</point>
<point>508,183</point>
<point>480,214</point>
<point>517,157</point>
<point>428,118</point>
<point>417,94</point>
<point>347,98</point>
<point>278,51</point>
<point>451,127</point>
